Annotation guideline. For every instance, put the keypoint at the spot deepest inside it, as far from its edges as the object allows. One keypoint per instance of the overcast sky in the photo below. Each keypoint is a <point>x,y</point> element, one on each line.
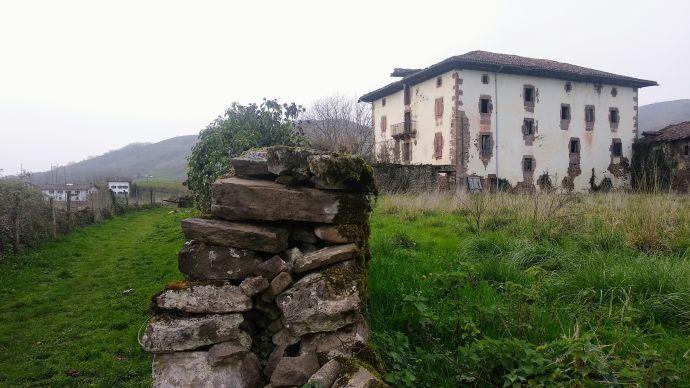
<point>79,78</point>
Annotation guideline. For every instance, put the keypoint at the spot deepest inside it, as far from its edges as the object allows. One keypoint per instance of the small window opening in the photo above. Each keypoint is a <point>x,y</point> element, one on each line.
<point>574,146</point>
<point>486,145</point>
<point>614,92</point>
<point>617,147</point>
<point>568,86</point>
<point>565,112</point>
<point>484,105</point>
<point>589,114</point>
<point>485,78</point>
<point>529,94</point>
<point>439,82</point>
<point>527,164</point>
<point>383,102</point>
<point>614,115</point>
<point>687,150</point>
<point>528,127</point>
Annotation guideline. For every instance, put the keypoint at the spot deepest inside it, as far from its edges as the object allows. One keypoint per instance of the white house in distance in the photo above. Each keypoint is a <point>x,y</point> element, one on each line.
<point>77,192</point>
<point>119,186</point>
<point>497,116</point>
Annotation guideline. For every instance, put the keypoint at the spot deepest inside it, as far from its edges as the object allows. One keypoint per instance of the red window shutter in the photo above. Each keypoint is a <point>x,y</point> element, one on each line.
<point>438,108</point>
<point>438,145</point>
<point>383,124</point>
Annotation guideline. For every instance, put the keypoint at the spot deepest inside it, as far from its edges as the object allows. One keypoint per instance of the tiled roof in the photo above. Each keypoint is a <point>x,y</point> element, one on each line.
<point>62,186</point>
<point>671,133</point>
<point>511,64</point>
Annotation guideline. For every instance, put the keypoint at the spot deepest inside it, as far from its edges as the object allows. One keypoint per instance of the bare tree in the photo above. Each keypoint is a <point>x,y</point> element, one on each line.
<point>340,123</point>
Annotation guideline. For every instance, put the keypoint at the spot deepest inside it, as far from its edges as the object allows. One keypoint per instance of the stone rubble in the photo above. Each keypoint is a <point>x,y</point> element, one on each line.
<point>275,280</point>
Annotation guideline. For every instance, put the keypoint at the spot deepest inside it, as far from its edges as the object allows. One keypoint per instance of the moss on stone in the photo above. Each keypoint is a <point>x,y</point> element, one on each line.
<point>350,172</point>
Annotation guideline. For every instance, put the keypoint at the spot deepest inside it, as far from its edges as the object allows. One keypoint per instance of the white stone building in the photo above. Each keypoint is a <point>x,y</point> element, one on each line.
<point>76,192</point>
<point>497,116</point>
<point>119,186</point>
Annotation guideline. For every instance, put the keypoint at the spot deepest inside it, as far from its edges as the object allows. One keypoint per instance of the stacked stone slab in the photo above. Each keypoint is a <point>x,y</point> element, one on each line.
<point>275,279</point>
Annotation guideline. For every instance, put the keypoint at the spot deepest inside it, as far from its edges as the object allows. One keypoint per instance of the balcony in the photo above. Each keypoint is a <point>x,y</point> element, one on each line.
<point>404,129</point>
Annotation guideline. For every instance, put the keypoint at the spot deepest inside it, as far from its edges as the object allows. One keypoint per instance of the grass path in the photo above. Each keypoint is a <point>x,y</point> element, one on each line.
<point>65,316</point>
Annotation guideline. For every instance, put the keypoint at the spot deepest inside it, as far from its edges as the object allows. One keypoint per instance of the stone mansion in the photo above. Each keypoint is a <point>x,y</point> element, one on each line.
<point>497,116</point>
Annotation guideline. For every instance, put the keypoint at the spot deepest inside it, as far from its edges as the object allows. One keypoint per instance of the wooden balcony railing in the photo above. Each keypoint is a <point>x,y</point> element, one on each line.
<point>405,128</point>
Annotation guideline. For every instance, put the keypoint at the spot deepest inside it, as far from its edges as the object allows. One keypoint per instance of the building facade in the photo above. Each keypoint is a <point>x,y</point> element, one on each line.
<point>119,187</point>
<point>496,116</point>
<point>75,192</point>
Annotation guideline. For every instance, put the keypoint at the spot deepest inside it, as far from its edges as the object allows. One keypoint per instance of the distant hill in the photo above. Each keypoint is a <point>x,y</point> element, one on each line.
<point>656,116</point>
<point>164,160</point>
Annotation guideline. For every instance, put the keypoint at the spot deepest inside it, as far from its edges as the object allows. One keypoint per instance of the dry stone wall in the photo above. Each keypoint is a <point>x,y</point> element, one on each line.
<point>275,279</point>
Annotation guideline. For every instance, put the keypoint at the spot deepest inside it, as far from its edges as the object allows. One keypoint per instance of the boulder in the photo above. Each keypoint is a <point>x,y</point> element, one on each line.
<point>345,342</point>
<point>327,374</point>
<point>254,285</point>
<point>292,371</point>
<point>243,199</point>
<point>330,233</point>
<point>204,299</point>
<point>235,234</point>
<point>324,257</point>
<point>281,282</point>
<point>226,352</point>
<point>362,378</point>
<point>199,261</point>
<point>341,172</point>
<point>251,165</point>
<point>167,334</point>
<point>191,369</point>
<point>271,267</point>
<point>322,301</point>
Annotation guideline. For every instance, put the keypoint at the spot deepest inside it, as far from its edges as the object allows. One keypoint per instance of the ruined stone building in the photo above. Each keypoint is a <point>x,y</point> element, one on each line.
<point>497,116</point>
<point>662,158</point>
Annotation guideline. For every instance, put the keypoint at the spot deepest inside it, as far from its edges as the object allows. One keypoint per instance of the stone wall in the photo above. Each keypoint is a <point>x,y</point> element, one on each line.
<point>392,178</point>
<point>275,279</point>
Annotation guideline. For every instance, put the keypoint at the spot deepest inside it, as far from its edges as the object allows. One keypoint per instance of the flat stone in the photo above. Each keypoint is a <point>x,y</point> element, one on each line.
<point>327,374</point>
<point>254,285</point>
<point>271,267</point>
<point>325,256</point>
<point>329,233</point>
<point>279,284</point>
<point>362,378</point>
<point>341,172</point>
<point>248,166</point>
<point>292,371</point>
<point>235,234</point>
<point>273,359</point>
<point>344,342</point>
<point>192,370</point>
<point>243,199</point>
<point>205,299</point>
<point>165,334</point>
<point>292,255</point>
<point>291,161</point>
<point>322,301</point>
<point>199,261</point>
<point>285,337</point>
<point>226,352</point>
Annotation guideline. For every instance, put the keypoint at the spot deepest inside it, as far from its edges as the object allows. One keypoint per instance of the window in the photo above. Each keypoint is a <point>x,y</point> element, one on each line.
<point>617,147</point>
<point>528,127</point>
<point>574,146</point>
<point>438,145</point>
<point>384,124</point>
<point>568,87</point>
<point>406,92</point>
<point>527,164</point>
<point>529,94</point>
<point>438,108</point>
<point>565,112</point>
<point>383,101</point>
<point>439,82</point>
<point>614,92</point>
<point>484,105</point>
<point>485,78</point>
<point>613,115</point>
<point>589,114</point>
<point>486,146</point>
<point>686,150</point>
<point>407,151</point>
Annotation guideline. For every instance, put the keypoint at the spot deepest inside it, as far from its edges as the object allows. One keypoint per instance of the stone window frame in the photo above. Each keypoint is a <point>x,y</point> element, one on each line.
<point>574,157</point>
<point>568,86</point>
<point>529,105</point>
<point>438,145</point>
<point>589,124</point>
<point>528,160</point>
<point>439,81</point>
<point>565,123</point>
<point>485,152</point>
<point>529,137</point>
<point>616,143</point>
<point>614,124</point>
<point>485,79</point>
<point>485,118</point>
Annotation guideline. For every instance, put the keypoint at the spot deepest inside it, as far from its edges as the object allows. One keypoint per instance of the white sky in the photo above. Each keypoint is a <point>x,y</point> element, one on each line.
<point>79,78</point>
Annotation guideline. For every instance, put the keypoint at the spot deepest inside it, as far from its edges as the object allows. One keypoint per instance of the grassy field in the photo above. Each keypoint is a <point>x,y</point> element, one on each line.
<point>507,290</point>
<point>71,309</point>
<point>463,291</point>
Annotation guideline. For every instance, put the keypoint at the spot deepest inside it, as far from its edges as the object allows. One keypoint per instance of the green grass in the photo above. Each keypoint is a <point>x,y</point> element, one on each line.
<point>545,300</point>
<point>604,295</point>
<point>63,311</point>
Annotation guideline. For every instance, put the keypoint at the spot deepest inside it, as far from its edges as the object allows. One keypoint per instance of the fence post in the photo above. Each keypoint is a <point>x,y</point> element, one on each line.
<point>151,191</point>
<point>52,212</point>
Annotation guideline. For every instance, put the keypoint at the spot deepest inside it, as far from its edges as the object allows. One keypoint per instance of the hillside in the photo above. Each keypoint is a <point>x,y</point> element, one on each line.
<point>164,160</point>
<point>656,116</point>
